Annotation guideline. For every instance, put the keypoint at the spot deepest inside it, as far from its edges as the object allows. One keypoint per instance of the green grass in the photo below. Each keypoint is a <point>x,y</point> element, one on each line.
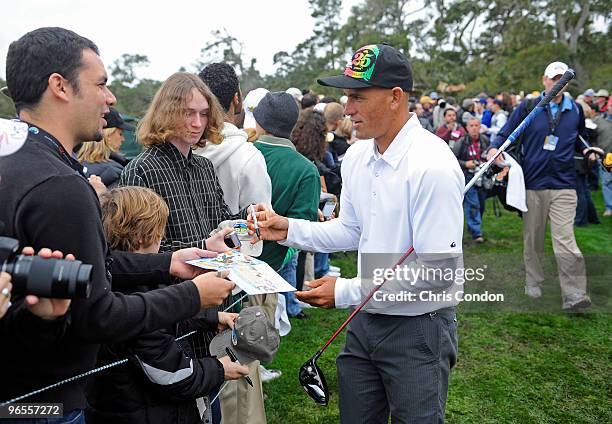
<point>522,361</point>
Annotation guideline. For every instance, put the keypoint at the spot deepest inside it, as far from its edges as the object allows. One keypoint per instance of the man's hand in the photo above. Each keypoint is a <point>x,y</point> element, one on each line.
<point>184,271</point>
<point>216,243</point>
<point>48,309</point>
<point>232,370</point>
<point>271,226</point>
<point>322,293</point>
<point>5,292</point>
<point>226,320</point>
<point>500,159</point>
<point>213,288</point>
<point>470,164</point>
<point>594,152</point>
<point>97,184</point>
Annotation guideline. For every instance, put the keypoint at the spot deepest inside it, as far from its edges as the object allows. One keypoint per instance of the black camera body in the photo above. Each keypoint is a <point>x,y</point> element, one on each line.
<point>52,278</point>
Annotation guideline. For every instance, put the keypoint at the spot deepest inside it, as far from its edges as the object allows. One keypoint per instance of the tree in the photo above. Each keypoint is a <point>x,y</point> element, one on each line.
<point>124,68</point>
<point>7,108</point>
<point>228,49</point>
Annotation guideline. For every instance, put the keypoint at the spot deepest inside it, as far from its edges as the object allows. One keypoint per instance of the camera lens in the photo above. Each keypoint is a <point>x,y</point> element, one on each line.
<point>56,278</point>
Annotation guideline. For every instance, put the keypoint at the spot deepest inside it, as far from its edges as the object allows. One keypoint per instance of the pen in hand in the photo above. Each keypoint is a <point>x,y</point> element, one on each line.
<point>254,215</point>
<point>232,356</point>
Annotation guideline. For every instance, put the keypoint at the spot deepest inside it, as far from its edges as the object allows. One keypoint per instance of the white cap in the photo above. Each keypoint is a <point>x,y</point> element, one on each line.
<point>319,107</point>
<point>295,92</point>
<point>251,100</point>
<point>554,69</point>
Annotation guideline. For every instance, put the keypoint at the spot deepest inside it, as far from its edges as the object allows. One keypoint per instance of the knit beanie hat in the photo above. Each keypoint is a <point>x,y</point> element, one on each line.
<point>277,113</point>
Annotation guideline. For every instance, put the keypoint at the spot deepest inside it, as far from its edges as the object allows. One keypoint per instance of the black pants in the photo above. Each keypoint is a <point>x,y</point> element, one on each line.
<point>585,209</point>
<point>396,366</point>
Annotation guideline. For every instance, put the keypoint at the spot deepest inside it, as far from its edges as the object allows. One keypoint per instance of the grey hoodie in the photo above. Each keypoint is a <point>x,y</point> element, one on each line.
<point>240,168</point>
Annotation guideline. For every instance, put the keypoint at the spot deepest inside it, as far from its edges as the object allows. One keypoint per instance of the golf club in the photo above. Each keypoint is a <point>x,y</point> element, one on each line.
<point>310,375</point>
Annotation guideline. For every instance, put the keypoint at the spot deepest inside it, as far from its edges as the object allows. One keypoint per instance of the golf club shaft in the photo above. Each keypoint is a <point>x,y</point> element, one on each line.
<point>563,81</point>
<point>366,300</point>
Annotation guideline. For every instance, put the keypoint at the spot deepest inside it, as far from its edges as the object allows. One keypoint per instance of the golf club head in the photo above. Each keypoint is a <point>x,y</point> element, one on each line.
<point>313,381</point>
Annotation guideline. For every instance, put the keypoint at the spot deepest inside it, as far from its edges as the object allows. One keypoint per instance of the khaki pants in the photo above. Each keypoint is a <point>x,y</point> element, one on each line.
<point>241,403</point>
<point>559,206</point>
<point>309,268</point>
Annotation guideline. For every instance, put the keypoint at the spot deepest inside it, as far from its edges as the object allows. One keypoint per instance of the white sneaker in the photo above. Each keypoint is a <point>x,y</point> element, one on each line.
<point>576,302</point>
<point>334,268</point>
<point>533,291</point>
<point>304,305</point>
<point>268,375</point>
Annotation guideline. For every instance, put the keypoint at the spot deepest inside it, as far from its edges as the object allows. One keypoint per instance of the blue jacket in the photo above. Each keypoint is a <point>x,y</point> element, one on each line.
<point>546,169</point>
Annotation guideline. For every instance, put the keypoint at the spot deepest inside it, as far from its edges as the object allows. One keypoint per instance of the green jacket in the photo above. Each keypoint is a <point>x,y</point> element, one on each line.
<point>296,188</point>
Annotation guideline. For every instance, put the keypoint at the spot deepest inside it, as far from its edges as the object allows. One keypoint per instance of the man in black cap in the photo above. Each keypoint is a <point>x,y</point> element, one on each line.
<point>402,187</point>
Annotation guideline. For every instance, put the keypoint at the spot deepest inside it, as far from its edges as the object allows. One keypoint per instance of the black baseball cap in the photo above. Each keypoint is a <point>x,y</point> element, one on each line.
<point>114,120</point>
<point>374,65</point>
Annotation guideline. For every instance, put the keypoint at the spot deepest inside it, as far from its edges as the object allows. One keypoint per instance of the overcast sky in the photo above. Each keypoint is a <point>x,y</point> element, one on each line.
<point>171,35</point>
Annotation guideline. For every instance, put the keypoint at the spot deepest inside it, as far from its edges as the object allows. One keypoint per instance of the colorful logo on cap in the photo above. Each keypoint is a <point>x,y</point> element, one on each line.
<point>363,62</point>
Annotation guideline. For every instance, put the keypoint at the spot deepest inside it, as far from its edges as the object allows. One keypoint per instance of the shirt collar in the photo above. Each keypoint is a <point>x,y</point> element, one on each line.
<point>177,157</point>
<point>275,141</point>
<point>398,147</point>
<point>566,103</point>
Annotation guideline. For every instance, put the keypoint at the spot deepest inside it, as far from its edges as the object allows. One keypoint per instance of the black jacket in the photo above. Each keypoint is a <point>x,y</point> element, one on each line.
<point>460,149</point>
<point>46,202</point>
<point>158,385</point>
<point>109,171</point>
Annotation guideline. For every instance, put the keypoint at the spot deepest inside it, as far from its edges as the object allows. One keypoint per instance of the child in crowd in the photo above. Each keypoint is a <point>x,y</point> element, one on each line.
<point>159,383</point>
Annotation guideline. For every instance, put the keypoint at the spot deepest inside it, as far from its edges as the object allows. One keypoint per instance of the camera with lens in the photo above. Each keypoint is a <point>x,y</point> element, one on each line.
<point>51,278</point>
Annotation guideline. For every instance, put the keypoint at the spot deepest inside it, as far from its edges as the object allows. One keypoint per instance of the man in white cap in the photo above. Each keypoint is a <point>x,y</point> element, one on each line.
<point>251,101</point>
<point>548,147</point>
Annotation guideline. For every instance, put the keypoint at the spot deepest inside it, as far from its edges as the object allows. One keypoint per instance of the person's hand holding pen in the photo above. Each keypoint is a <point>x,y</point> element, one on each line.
<point>233,370</point>
<point>232,356</point>
<point>255,223</point>
<point>270,226</point>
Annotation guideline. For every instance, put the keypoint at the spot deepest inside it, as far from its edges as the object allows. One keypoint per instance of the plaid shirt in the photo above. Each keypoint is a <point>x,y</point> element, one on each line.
<point>189,186</point>
<point>191,189</point>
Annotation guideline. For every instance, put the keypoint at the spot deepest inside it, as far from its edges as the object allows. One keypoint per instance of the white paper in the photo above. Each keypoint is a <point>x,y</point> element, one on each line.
<point>250,274</point>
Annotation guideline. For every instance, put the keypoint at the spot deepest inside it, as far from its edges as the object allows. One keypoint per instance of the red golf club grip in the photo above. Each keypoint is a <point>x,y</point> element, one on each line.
<point>366,300</point>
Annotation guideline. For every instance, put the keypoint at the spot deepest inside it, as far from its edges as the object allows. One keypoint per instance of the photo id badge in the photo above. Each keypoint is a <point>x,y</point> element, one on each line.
<point>550,142</point>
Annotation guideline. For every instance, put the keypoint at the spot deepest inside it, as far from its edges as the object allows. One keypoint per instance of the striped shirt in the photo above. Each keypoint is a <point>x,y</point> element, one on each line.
<point>189,186</point>
<point>194,196</point>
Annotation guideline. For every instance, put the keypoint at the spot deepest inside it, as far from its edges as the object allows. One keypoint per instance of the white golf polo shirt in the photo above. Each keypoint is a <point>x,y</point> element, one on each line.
<point>409,196</point>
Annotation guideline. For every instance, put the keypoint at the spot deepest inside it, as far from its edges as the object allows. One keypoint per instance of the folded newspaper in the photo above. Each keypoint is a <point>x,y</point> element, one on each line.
<point>250,274</point>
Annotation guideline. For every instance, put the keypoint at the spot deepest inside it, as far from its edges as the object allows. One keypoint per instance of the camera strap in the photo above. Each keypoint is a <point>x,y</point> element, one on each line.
<point>95,370</point>
<point>553,122</point>
<point>42,136</point>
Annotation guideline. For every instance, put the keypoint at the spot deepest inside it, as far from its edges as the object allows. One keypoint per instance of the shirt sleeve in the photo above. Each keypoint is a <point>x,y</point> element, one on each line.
<point>169,372</point>
<point>338,234</point>
<point>513,122</point>
<point>582,131</point>
<point>132,269</point>
<point>347,292</point>
<point>104,316</point>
